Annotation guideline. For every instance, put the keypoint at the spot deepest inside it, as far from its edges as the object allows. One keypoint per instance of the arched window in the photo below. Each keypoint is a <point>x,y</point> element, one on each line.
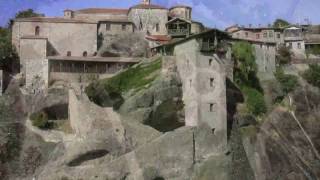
<point>69,53</point>
<point>85,54</point>
<point>37,31</point>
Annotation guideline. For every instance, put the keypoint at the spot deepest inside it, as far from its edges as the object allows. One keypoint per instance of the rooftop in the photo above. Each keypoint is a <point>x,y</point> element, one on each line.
<point>53,20</point>
<point>180,6</point>
<point>95,59</point>
<point>102,11</point>
<point>147,6</point>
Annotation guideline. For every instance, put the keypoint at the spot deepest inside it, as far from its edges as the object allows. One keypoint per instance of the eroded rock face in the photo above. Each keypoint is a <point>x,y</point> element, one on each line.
<point>287,144</point>
<point>124,45</point>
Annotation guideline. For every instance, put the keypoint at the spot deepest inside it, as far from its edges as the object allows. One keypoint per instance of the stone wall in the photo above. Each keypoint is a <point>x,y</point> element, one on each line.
<point>196,28</point>
<point>204,90</point>
<point>62,37</point>
<point>115,28</point>
<point>265,55</point>
<point>33,53</point>
<point>181,12</point>
<point>149,18</point>
<point>99,17</point>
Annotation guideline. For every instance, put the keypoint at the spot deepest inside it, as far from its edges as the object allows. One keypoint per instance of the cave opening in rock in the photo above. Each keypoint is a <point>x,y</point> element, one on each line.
<point>158,178</point>
<point>91,155</point>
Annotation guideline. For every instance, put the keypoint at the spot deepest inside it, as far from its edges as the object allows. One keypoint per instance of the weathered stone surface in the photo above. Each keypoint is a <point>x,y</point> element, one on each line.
<point>286,144</point>
<point>124,45</point>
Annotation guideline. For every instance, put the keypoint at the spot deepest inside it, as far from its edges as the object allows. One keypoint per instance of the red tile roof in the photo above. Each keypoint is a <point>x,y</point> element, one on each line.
<point>53,20</point>
<point>158,37</point>
<point>146,6</point>
<point>102,11</point>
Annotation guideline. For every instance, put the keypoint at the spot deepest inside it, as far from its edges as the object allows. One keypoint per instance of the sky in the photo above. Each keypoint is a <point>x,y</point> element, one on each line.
<point>213,13</point>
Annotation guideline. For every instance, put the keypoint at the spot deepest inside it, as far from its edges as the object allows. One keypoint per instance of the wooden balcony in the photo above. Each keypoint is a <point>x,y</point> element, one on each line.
<point>178,32</point>
<point>207,46</point>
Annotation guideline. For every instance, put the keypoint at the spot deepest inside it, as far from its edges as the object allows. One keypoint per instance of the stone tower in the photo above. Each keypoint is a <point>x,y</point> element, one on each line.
<point>146,2</point>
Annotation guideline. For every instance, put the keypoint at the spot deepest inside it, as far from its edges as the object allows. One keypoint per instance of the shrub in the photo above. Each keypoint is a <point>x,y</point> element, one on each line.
<point>254,101</point>
<point>40,120</point>
<point>284,55</point>
<point>108,92</point>
<point>312,75</point>
<point>288,82</point>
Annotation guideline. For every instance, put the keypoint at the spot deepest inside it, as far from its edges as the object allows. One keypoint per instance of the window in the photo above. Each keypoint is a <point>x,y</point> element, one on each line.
<point>190,82</point>
<point>238,34</point>
<point>271,34</point>
<point>124,27</point>
<point>69,53</point>
<point>247,34</point>
<point>290,45</point>
<point>210,62</point>
<point>299,45</point>
<point>278,35</point>
<point>108,27</point>
<point>157,28</point>
<point>257,36</point>
<point>37,31</point>
<point>211,82</point>
<point>85,54</point>
<point>211,107</point>
<point>265,35</point>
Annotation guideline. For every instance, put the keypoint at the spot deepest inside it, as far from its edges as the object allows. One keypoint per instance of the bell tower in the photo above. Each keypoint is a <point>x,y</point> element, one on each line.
<point>146,2</point>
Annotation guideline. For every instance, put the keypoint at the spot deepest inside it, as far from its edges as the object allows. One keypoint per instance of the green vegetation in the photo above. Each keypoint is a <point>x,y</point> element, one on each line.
<point>284,55</point>
<point>245,70</point>
<point>108,92</point>
<point>24,14</point>
<point>254,101</point>
<point>312,75</point>
<point>41,120</point>
<point>315,50</point>
<point>8,56</point>
<point>280,23</point>
<point>288,82</point>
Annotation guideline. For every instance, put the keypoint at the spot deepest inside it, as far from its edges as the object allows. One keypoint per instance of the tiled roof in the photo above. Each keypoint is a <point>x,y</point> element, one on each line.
<point>147,6</point>
<point>102,11</point>
<point>116,20</point>
<point>52,20</point>
<point>95,59</point>
<point>159,37</point>
<point>180,6</point>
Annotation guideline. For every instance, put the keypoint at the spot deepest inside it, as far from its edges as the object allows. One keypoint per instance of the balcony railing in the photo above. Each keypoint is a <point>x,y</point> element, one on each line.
<point>207,46</point>
<point>178,32</point>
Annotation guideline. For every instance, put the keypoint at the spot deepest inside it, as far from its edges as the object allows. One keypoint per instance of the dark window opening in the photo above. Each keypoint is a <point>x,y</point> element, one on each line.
<point>213,129</point>
<point>211,107</point>
<point>210,62</point>
<point>299,45</point>
<point>85,54</point>
<point>247,34</point>
<point>108,27</point>
<point>157,28</point>
<point>69,53</point>
<point>124,27</point>
<point>258,36</point>
<point>211,82</point>
<point>190,82</point>
<point>278,36</point>
<point>37,31</point>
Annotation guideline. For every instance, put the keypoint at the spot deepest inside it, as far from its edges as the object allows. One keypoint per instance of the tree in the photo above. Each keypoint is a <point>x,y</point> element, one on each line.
<point>24,14</point>
<point>284,55</point>
<point>280,23</point>
<point>8,53</point>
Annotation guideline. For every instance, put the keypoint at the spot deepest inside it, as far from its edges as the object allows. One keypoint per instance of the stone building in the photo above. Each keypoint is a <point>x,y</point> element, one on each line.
<point>293,38</point>
<point>76,38</point>
<point>202,62</point>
